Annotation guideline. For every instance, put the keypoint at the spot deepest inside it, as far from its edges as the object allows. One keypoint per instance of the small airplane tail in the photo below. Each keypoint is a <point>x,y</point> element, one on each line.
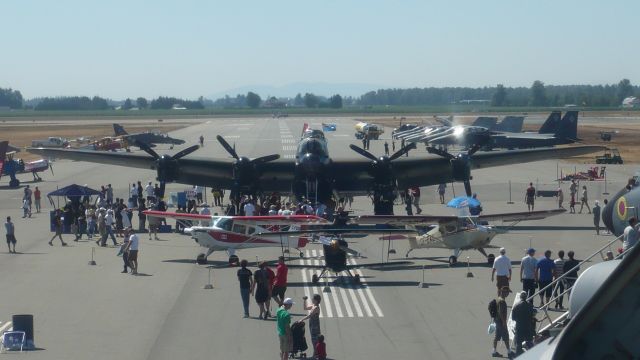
<point>568,127</point>
<point>119,130</point>
<point>3,155</point>
<point>511,124</point>
<point>552,124</point>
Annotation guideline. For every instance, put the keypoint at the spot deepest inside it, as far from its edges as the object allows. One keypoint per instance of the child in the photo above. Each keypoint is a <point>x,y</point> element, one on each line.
<point>321,349</point>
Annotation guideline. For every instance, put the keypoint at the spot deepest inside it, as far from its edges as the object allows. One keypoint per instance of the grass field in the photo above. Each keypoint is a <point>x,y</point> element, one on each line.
<point>299,111</point>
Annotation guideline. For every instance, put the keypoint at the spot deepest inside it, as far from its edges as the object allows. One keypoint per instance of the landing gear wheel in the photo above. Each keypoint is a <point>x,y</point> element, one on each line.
<point>356,278</point>
<point>14,183</point>
<point>453,260</point>
<point>490,259</point>
<point>301,255</point>
<point>315,279</point>
<point>234,260</point>
<point>201,259</point>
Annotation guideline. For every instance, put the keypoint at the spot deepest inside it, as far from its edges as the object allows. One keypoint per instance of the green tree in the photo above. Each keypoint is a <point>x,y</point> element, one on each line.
<point>142,103</point>
<point>538,94</point>
<point>310,100</point>
<point>253,100</point>
<point>11,98</point>
<point>625,89</point>
<point>500,96</point>
<point>335,101</point>
<point>128,104</point>
<point>298,100</point>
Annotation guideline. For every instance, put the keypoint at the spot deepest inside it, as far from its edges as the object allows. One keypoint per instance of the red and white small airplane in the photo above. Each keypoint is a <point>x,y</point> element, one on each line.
<point>231,233</point>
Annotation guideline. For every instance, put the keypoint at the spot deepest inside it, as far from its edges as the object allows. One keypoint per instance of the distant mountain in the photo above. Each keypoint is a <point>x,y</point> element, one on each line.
<point>290,90</point>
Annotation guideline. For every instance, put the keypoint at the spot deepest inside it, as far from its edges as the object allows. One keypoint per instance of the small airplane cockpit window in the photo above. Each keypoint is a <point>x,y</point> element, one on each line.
<point>239,228</point>
<point>225,224</point>
<point>251,230</point>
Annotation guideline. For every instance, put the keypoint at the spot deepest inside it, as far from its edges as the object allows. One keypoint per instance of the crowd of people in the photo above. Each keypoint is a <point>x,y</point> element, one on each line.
<point>535,273</point>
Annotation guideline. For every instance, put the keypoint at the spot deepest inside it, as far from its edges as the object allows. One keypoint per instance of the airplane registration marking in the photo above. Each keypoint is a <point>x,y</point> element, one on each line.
<point>350,300</point>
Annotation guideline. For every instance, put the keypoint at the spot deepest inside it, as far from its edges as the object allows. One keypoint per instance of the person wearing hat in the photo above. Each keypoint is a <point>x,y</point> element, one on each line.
<point>283,326</point>
<point>502,332</point>
<point>528,273</point>
<point>501,270</point>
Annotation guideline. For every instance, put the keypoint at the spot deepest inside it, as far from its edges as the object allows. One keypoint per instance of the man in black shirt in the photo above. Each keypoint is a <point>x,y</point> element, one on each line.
<point>570,276</point>
<point>246,283</point>
<point>522,314</point>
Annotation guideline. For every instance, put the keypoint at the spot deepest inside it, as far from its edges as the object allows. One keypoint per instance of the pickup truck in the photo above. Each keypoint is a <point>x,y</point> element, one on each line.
<point>51,141</point>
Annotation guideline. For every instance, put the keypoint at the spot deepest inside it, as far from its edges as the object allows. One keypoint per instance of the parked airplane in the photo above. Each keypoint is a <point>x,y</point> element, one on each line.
<point>313,174</point>
<point>11,167</point>
<point>149,138</point>
<point>457,233</point>
<point>623,206</point>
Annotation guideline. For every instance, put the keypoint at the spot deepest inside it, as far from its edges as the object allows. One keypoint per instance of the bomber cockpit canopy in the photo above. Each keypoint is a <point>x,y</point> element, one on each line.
<point>313,133</point>
<point>313,146</point>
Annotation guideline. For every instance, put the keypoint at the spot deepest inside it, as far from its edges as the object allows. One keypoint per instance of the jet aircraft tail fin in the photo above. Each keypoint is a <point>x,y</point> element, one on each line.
<point>3,155</point>
<point>119,130</point>
<point>511,124</point>
<point>552,124</point>
<point>568,127</point>
<point>485,121</point>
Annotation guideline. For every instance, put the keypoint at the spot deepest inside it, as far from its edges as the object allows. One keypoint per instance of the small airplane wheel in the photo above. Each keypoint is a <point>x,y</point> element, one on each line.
<point>453,260</point>
<point>201,259</point>
<point>315,278</point>
<point>491,258</point>
<point>301,255</point>
<point>233,259</point>
<point>356,278</point>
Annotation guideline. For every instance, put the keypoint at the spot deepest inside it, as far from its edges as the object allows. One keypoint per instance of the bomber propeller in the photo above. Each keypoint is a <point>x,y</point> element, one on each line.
<point>460,164</point>
<point>167,166</point>
<point>245,170</point>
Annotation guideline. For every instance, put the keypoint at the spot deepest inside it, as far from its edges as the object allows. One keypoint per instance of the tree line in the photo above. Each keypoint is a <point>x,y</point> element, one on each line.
<point>538,95</point>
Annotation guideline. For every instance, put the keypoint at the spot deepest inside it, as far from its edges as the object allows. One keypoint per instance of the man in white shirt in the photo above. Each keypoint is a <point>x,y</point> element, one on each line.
<point>249,209</point>
<point>198,190</point>
<point>502,270</point>
<point>149,190</point>
<point>630,235</point>
<point>132,250</point>
<point>528,273</point>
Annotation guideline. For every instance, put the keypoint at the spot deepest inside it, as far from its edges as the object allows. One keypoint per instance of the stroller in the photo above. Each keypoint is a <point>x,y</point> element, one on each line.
<point>299,345</point>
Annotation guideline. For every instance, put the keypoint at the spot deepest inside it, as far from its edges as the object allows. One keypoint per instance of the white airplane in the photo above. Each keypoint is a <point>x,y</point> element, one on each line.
<point>457,233</point>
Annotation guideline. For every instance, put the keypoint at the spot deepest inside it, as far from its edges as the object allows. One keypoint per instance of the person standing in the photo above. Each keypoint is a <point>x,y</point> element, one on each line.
<point>109,194</point>
<point>572,204</point>
<point>11,235</point>
<point>560,198</point>
<point>502,332</point>
<point>522,313</point>
<point>571,268</point>
<point>108,226</point>
<point>584,200</point>
<point>261,288</point>
<point>249,209</point>
<point>280,282</point>
<point>283,326</point>
<point>441,190</point>
<point>142,218</point>
<point>57,224</point>
<point>596,216</point>
<point>90,215</point>
<point>501,270</point>
<point>314,319</point>
<point>26,208</point>
<point>201,139</point>
<point>530,197</point>
<point>125,253</point>
<point>573,188</point>
<point>149,191</point>
<point>528,273</point>
<point>37,196</point>
<point>132,248</point>
<point>133,195</point>
<point>544,276</point>
<point>630,234</point>
<point>386,148</point>
<point>245,279</point>
<point>558,271</point>
<point>415,194</point>
<point>407,200</point>
<point>126,222</point>
<point>140,191</point>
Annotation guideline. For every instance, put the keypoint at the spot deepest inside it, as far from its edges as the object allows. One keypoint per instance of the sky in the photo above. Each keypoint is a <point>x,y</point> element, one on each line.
<point>190,48</point>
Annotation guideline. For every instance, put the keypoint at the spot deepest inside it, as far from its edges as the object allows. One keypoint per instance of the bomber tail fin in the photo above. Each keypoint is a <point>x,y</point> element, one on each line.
<point>568,127</point>
<point>3,155</point>
<point>119,130</point>
<point>552,124</point>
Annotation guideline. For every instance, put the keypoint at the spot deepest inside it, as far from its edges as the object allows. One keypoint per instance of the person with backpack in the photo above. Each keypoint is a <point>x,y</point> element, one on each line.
<point>261,287</point>
<point>498,313</point>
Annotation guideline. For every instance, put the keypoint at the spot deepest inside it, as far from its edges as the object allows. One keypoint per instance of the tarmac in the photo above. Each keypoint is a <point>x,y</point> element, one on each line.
<point>83,311</point>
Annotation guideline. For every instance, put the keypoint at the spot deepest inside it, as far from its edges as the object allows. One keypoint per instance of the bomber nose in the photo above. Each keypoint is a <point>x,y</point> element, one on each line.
<point>311,164</point>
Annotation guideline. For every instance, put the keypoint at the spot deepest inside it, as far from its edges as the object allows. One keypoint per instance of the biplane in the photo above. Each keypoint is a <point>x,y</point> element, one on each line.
<point>10,167</point>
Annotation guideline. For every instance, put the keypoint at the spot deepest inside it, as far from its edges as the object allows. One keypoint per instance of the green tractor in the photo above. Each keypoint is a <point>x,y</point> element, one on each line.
<point>610,156</point>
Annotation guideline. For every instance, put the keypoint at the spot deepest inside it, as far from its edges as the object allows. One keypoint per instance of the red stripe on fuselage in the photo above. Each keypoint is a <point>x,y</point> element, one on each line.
<point>235,238</point>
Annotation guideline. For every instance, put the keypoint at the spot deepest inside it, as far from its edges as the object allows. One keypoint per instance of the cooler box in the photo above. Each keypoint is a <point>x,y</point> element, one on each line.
<point>164,229</point>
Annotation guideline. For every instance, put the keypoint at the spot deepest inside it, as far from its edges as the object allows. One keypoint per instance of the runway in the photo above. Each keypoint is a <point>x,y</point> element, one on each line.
<point>84,311</point>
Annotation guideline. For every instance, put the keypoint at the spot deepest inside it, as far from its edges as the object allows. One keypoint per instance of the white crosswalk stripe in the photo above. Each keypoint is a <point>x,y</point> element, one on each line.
<point>288,147</point>
<point>344,299</point>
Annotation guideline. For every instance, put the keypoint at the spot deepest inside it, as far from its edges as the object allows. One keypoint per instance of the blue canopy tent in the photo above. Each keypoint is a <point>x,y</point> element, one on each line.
<point>75,193</point>
<point>462,202</point>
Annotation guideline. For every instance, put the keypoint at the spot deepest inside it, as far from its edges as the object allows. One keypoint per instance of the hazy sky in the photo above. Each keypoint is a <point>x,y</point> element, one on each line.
<point>189,48</point>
